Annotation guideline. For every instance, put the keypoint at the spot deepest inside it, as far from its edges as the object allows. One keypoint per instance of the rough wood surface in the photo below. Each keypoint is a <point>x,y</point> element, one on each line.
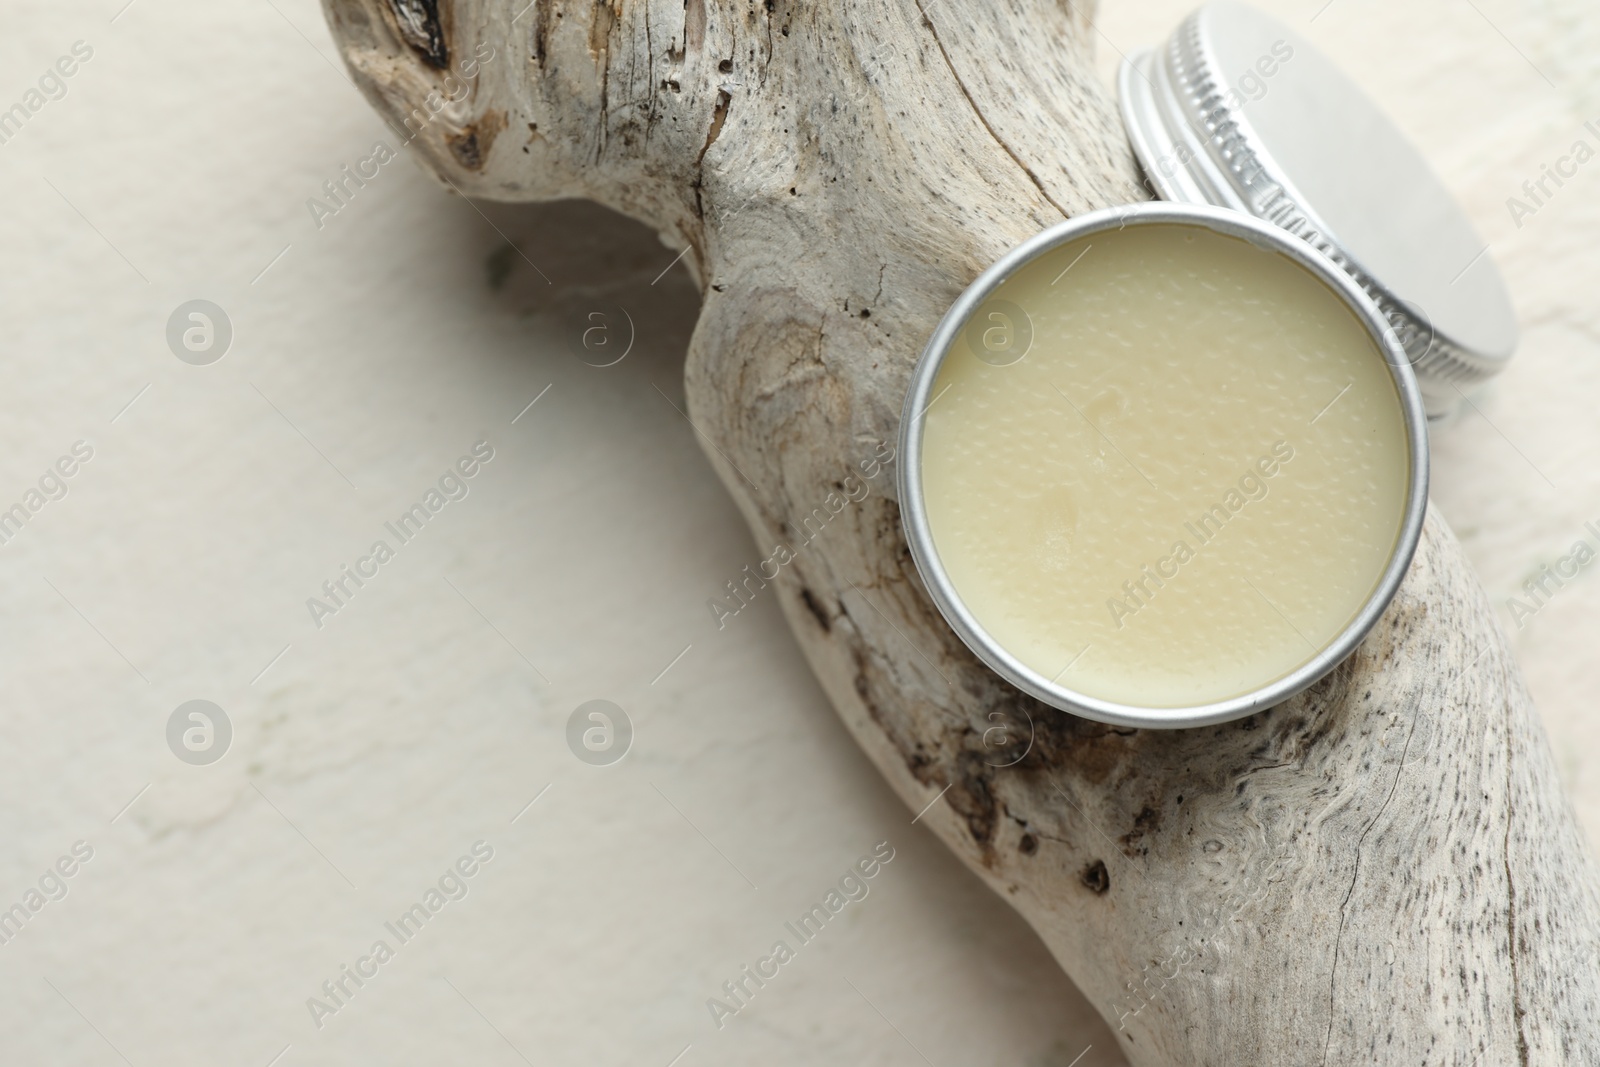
<point>1382,870</point>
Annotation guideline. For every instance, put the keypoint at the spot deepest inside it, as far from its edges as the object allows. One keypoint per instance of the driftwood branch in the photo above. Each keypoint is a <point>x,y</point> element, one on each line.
<point>1381,870</point>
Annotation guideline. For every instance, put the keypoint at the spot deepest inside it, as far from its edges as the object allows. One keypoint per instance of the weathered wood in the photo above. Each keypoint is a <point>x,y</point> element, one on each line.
<point>1381,870</point>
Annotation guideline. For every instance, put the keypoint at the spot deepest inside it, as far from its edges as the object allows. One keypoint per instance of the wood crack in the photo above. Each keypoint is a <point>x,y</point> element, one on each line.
<point>1355,877</point>
<point>1511,903</point>
<point>976,110</point>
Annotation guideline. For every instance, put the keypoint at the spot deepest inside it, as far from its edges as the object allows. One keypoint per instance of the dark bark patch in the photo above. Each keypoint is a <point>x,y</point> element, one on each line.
<point>1094,749</point>
<point>423,29</point>
<point>816,609</point>
<point>471,146</point>
<point>1146,822</point>
<point>972,796</point>
<point>541,33</point>
<point>1096,878</point>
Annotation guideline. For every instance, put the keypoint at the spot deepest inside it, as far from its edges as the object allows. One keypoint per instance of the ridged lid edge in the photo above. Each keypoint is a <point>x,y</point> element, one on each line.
<point>1216,125</point>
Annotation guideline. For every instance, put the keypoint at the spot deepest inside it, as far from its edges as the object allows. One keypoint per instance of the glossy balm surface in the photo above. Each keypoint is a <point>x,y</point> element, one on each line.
<point>1190,482</point>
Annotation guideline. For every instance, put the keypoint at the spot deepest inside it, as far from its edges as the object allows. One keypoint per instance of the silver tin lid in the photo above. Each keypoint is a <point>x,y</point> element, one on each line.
<point>1240,112</point>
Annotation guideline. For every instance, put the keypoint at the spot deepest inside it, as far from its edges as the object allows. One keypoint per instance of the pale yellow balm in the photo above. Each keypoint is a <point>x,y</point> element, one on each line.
<point>1190,483</point>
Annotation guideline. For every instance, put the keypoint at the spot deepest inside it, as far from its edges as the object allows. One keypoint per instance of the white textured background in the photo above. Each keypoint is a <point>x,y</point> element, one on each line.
<point>378,749</point>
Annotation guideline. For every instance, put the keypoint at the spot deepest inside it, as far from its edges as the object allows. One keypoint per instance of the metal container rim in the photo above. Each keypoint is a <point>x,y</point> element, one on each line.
<point>913,509</point>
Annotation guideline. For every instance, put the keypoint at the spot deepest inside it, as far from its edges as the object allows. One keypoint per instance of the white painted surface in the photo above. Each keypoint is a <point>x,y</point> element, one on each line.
<point>381,746</point>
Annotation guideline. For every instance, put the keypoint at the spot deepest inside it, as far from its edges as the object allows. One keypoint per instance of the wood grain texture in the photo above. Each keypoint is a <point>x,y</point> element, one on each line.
<point>1381,870</point>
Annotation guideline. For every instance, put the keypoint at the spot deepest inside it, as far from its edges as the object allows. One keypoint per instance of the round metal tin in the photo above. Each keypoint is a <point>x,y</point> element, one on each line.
<point>1238,111</point>
<point>914,510</point>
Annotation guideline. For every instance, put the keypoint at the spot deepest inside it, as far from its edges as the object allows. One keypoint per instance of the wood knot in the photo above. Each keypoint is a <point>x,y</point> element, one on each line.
<point>1096,877</point>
